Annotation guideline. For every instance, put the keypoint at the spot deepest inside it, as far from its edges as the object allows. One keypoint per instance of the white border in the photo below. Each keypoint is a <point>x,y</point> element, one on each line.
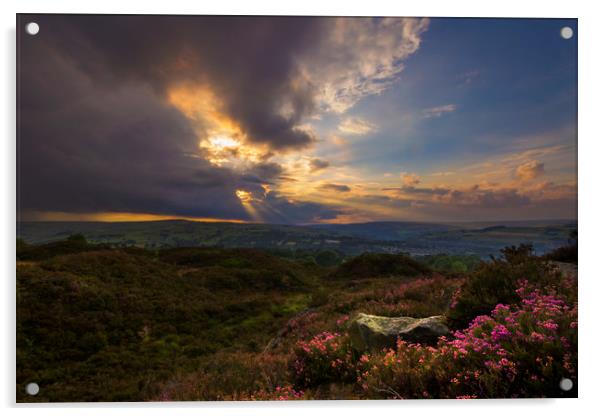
<point>589,35</point>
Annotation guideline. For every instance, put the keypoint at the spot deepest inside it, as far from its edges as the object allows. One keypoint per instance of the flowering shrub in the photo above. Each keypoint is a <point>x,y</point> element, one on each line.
<point>326,357</point>
<point>495,282</point>
<point>522,350</point>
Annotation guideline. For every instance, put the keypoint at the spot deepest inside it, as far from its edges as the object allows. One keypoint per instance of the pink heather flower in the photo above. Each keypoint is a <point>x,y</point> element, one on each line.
<point>499,333</point>
<point>466,397</point>
<point>549,325</point>
<point>500,309</point>
<point>455,297</point>
<point>506,363</point>
<point>342,320</point>
<point>537,337</point>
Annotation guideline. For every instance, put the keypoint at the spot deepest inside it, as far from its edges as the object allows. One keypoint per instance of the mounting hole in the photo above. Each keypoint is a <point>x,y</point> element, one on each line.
<point>566,384</point>
<point>32,28</point>
<point>32,389</point>
<point>566,32</point>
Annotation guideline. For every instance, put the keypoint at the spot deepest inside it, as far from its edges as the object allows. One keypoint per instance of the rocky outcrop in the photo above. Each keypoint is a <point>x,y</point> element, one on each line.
<point>372,332</point>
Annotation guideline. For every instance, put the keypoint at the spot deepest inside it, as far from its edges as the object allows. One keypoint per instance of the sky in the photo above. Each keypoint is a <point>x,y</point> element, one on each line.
<point>296,120</point>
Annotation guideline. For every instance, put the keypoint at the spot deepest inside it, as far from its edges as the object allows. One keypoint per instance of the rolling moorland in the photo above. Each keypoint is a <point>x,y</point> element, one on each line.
<point>127,323</point>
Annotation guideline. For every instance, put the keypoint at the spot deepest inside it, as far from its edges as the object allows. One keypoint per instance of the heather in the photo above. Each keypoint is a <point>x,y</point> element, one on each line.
<point>520,350</point>
<point>246,324</point>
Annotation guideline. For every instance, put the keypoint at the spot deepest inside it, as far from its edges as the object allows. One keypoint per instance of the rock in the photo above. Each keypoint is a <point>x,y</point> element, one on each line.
<point>372,332</point>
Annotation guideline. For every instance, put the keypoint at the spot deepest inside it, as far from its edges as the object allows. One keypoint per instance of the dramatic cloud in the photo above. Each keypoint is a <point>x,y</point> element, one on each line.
<point>356,126</point>
<point>439,111</point>
<point>529,170</point>
<point>187,118</point>
<point>335,187</point>
<point>222,69</point>
<point>247,118</point>
<point>98,134</point>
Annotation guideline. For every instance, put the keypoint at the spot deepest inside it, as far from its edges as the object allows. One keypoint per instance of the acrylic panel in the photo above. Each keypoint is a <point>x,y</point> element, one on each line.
<point>295,208</point>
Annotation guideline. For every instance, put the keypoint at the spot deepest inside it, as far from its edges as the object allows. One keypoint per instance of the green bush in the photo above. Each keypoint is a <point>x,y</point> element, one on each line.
<point>446,263</point>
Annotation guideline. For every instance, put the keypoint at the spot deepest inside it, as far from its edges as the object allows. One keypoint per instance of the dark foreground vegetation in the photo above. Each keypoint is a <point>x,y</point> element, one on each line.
<point>98,323</point>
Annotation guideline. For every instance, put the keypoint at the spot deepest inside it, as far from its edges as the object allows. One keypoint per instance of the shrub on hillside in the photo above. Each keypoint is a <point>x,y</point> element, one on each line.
<point>327,357</point>
<point>567,253</point>
<point>380,265</point>
<point>231,376</point>
<point>74,244</point>
<point>446,263</point>
<point>496,281</point>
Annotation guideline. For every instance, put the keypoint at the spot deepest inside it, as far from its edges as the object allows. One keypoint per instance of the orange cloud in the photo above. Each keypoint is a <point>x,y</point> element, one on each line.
<point>529,170</point>
<point>410,179</point>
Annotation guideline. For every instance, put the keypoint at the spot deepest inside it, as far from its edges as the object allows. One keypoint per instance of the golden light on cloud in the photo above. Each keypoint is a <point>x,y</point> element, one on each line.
<point>221,137</point>
<point>247,200</point>
<point>245,196</point>
<point>223,142</point>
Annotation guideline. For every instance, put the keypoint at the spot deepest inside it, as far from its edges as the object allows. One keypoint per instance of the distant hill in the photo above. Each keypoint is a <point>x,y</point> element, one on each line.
<point>416,238</point>
<point>388,231</point>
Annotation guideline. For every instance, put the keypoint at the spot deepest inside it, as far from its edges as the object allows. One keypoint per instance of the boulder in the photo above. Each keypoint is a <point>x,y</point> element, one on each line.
<point>372,332</point>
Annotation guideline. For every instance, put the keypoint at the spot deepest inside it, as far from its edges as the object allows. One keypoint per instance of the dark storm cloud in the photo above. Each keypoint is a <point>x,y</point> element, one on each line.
<point>281,210</point>
<point>97,135</point>
<point>248,62</point>
<point>267,172</point>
